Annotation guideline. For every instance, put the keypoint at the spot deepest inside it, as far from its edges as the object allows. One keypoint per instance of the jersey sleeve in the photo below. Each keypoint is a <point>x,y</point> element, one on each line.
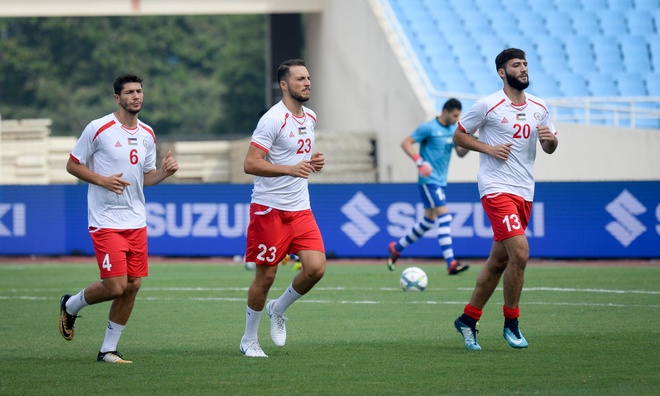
<point>266,132</point>
<point>547,121</point>
<point>422,132</point>
<point>474,118</point>
<point>84,147</point>
<point>150,160</point>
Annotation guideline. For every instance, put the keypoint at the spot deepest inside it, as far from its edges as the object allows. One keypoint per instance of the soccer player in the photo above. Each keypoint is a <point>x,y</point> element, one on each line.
<point>281,221</point>
<point>510,123</point>
<point>116,155</point>
<point>435,147</point>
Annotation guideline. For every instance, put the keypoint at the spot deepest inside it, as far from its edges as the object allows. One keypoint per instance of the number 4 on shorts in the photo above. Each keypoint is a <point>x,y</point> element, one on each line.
<point>106,262</point>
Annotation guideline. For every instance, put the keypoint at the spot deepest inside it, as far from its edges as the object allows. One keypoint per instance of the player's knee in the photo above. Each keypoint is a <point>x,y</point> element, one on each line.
<point>314,271</point>
<point>133,286</point>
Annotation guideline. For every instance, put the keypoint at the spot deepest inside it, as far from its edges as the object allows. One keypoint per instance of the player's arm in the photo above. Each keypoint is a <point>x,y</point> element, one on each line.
<point>423,167</point>
<point>168,167</point>
<point>461,151</point>
<point>255,164</point>
<point>465,140</point>
<point>112,183</point>
<point>548,139</point>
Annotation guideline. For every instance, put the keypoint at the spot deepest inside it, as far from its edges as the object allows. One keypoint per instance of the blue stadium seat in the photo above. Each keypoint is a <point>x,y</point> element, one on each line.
<point>654,46</point>
<point>647,5</point>
<point>568,6</point>
<point>490,46</point>
<point>532,24</point>
<point>640,23</point>
<point>573,85</point>
<point>451,26</point>
<point>602,85</point>
<point>630,84</point>
<point>540,6</point>
<point>507,30</point>
<point>580,55</point>
<point>485,82</point>
<point>653,84</point>
<point>488,6</point>
<point>636,56</point>
<point>612,23</point>
<point>620,5</point>
<point>543,85</point>
<point>585,23</point>
<point>551,52</point>
<point>608,55</point>
<point>558,23</point>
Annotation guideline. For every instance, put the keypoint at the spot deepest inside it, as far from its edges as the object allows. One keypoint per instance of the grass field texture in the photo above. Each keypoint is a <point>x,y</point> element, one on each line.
<point>592,331</point>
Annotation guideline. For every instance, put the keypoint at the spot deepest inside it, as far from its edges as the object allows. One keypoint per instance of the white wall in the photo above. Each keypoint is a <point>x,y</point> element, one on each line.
<point>358,83</point>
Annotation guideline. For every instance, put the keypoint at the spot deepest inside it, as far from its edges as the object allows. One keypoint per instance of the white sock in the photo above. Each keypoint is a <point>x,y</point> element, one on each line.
<point>286,299</point>
<point>112,334</point>
<point>75,303</point>
<point>252,318</point>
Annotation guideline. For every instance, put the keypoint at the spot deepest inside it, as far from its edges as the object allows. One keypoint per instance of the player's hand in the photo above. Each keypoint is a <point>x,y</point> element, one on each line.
<point>115,183</point>
<point>544,133</point>
<point>302,169</point>
<point>169,165</point>
<point>425,169</point>
<point>318,161</point>
<point>501,151</point>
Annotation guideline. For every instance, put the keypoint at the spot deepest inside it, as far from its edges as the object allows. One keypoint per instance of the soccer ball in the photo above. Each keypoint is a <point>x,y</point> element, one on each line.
<point>413,279</point>
<point>250,266</point>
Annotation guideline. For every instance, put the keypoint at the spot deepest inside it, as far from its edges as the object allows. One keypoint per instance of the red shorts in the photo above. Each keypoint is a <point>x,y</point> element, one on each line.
<point>274,233</point>
<point>121,252</point>
<point>508,214</point>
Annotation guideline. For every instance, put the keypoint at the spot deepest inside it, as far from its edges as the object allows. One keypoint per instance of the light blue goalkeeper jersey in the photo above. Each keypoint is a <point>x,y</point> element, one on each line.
<point>436,145</point>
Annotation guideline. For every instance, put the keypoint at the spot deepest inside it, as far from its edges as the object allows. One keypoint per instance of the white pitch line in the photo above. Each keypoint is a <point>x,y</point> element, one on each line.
<point>356,302</point>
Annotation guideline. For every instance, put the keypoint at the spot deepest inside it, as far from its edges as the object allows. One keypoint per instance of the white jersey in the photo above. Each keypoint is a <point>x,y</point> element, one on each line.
<point>500,121</point>
<point>108,148</point>
<point>287,140</point>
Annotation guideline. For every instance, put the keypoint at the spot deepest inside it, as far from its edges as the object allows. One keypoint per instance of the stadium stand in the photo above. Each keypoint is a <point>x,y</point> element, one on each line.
<point>575,48</point>
<point>29,155</point>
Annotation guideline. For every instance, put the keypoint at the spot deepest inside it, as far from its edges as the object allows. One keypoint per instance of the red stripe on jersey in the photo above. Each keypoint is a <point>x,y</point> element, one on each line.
<point>312,117</point>
<point>493,108</point>
<point>260,147</point>
<point>103,128</point>
<point>461,127</point>
<point>286,117</point>
<point>149,130</point>
<point>76,160</point>
<point>537,103</point>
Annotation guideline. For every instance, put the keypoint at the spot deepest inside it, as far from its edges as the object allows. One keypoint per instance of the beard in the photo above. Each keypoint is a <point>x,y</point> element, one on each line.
<point>299,97</point>
<point>515,83</point>
<point>127,107</point>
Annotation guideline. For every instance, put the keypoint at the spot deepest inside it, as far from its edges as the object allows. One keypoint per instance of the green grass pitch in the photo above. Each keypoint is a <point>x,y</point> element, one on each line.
<point>593,330</point>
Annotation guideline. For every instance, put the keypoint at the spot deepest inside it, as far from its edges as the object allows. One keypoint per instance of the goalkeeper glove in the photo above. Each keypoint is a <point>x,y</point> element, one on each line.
<point>423,167</point>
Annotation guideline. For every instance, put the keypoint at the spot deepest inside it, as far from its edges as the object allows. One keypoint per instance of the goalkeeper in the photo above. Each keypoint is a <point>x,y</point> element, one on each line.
<point>432,161</point>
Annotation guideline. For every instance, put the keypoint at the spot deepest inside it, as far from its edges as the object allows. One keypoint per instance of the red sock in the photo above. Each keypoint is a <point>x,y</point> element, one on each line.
<point>472,312</point>
<point>510,313</point>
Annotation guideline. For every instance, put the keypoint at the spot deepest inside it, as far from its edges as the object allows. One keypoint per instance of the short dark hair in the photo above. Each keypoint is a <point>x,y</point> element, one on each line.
<point>452,104</point>
<point>283,70</point>
<point>123,80</point>
<point>507,55</point>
